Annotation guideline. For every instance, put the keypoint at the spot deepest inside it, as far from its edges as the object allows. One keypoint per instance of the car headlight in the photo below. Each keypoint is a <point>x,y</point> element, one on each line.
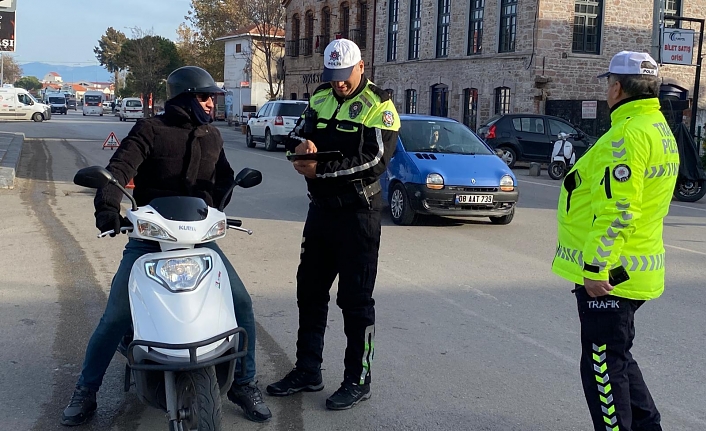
<point>507,184</point>
<point>181,274</point>
<point>435,181</point>
<point>146,228</point>
<point>218,230</point>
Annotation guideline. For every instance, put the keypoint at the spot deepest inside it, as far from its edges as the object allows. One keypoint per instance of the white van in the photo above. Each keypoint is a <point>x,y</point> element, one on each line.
<point>131,109</point>
<point>57,102</point>
<point>18,104</point>
<point>93,103</point>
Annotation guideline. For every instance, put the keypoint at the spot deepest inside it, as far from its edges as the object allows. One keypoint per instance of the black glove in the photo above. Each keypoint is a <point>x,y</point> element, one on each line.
<point>110,220</point>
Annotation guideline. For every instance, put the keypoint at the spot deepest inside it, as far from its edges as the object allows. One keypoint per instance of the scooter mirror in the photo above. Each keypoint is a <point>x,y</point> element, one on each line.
<point>95,177</point>
<point>248,178</point>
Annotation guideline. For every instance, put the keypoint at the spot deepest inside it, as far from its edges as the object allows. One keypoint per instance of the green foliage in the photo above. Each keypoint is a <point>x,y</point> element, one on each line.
<point>29,83</point>
<point>108,49</point>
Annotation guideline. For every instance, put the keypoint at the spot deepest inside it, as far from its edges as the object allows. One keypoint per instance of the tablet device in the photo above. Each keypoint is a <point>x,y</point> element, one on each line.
<point>321,156</point>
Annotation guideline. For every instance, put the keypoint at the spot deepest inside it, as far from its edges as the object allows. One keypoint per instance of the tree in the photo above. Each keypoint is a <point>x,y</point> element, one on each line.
<point>210,20</point>
<point>11,71</point>
<point>149,59</point>
<point>268,18</point>
<point>188,44</point>
<point>29,83</point>
<point>108,51</point>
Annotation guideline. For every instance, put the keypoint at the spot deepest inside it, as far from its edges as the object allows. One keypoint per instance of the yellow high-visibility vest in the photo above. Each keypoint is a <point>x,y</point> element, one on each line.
<point>613,202</point>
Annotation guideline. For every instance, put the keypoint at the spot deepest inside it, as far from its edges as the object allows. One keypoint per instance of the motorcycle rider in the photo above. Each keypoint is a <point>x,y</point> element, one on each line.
<point>175,154</point>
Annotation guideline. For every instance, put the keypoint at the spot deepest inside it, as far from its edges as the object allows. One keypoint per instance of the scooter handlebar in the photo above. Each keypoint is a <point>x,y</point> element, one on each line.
<point>122,230</point>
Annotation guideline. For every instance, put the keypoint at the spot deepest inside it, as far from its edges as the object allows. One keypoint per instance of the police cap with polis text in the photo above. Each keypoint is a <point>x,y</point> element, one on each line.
<point>340,57</point>
<point>190,79</point>
<point>630,63</point>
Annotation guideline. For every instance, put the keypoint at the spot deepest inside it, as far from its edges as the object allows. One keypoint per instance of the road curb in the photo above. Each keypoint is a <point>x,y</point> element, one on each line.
<point>10,151</point>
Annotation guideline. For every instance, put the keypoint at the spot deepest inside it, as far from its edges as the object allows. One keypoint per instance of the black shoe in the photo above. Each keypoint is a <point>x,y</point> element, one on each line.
<point>348,395</point>
<point>249,398</point>
<point>296,381</point>
<point>81,408</point>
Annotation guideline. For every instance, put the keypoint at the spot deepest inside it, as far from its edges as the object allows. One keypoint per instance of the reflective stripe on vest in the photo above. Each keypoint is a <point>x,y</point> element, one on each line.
<point>631,263</point>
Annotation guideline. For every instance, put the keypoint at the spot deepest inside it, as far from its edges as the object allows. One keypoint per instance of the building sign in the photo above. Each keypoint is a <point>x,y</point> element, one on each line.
<point>589,110</point>
<point>244,84</point>
<point>677,46</point>
<point>312,78</point>
<point>7,31</point>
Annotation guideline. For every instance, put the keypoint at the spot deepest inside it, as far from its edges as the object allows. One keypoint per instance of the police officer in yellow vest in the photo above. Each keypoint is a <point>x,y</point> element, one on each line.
<point>611,211</point>
<point>342,230</point>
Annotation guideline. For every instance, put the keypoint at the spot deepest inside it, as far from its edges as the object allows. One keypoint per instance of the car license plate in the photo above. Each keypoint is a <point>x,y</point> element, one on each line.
<point>474,199</point>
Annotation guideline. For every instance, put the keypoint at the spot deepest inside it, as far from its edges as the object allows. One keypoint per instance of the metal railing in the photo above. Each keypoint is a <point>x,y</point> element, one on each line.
<point>306,45</point>
<point>291,48</point>
<point>322,41</point>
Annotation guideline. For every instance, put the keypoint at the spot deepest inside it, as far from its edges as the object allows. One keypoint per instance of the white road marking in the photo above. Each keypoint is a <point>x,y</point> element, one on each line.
<point>685,249</point>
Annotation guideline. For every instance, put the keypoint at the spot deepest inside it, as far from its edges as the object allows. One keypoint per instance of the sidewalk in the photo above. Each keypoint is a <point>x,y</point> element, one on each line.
<point>10,150</point>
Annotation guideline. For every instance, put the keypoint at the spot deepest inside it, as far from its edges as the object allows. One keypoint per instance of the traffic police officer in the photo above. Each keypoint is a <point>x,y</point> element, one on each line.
<point>611,211</point>
<point>342,230</point>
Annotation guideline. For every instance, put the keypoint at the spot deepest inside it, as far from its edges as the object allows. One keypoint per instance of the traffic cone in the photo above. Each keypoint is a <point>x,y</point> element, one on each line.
<point>130,185</point>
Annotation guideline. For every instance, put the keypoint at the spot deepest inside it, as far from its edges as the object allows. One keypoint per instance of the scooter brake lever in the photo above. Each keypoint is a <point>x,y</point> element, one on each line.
<point>122,230</point>
<point>241,229</point>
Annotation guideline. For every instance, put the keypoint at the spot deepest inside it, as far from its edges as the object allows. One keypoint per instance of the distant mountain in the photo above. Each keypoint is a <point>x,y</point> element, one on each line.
<point>68,73</point>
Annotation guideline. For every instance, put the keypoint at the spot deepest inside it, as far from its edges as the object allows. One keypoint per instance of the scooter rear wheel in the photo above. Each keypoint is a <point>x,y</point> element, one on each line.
<point>556,170</point>
<point>198,401</point>
<point>689,191</point>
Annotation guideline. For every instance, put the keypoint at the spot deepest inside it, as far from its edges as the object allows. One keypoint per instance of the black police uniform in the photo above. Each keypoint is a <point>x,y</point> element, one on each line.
<point>342,231</point>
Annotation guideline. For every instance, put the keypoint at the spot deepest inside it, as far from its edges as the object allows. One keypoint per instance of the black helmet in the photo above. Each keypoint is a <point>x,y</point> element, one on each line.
<point>190,79</point>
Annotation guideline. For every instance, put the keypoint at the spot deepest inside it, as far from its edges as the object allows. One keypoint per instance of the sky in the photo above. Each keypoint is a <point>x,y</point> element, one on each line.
<point>66,31</point>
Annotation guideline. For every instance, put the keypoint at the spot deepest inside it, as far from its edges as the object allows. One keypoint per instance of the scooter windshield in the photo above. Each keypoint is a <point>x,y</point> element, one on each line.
<point>181,208</point>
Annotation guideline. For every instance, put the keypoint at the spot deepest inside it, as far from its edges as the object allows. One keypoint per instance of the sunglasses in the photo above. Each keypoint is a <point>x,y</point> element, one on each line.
<point>203,97</point>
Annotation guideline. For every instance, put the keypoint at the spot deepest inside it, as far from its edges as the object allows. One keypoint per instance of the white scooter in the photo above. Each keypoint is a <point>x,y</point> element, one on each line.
<point>185,343</point>
<point>563,157</point>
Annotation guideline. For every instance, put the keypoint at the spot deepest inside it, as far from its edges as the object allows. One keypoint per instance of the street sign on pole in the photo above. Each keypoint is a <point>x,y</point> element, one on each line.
<point>677,46</point>
<point>7,31</point>
<point>589,109</point>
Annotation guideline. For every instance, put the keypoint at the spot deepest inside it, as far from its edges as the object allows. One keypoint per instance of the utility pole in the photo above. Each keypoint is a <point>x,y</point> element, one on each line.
<point>656,29</point>
<point>2,69</point>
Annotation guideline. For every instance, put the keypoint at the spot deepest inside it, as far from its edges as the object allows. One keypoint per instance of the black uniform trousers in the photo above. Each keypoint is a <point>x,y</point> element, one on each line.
<point>343,242</point>
<point>617,396</point>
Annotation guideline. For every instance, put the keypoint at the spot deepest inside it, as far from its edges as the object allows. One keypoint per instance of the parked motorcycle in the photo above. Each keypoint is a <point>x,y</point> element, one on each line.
<point>691,179</point>
<point>184,347</point>
<point>563,157</point>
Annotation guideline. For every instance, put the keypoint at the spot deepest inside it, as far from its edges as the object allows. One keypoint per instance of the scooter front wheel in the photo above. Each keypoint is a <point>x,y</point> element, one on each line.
<point>556,170</point>
<point>198,400</point>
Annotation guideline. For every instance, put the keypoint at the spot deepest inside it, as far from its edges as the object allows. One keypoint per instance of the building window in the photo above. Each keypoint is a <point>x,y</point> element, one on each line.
<point>442,28</point>
<point>415,28</point>
<point>508,25</point>
<point>587,26</point>
<point>410,105</point>
<point>363,23</point>
<point>672,7</point>
<point>306,96</point>
<point>345,20</point>
<point>325,36</point>
<point>293,96</point>
<point>502,100</point>
<point>470,107</point>
<point>307,42</point>
<point>293,44</point>
<point>475,27</point>
<point>238,48</point>
<point>440,100</point>
<point>392,27</point>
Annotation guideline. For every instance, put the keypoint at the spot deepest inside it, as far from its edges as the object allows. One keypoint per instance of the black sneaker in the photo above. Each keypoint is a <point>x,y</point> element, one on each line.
<point>249,398</point>
<point>348,395</point>
<point>296,381</point>
<point>81,408</point>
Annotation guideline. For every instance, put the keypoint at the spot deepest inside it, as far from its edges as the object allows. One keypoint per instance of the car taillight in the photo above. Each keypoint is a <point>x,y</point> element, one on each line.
<point>491,132</point>
<point>279,121</point>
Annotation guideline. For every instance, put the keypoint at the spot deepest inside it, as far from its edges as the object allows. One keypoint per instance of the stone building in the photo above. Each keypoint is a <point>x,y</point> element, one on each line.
<point>472,59</point>
<point>310,26</point>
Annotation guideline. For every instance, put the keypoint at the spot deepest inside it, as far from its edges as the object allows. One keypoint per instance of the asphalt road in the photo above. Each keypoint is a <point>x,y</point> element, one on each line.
<point>473,330</point>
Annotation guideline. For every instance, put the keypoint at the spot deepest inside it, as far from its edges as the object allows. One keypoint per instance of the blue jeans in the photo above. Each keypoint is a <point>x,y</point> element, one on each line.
<point>117,318</point>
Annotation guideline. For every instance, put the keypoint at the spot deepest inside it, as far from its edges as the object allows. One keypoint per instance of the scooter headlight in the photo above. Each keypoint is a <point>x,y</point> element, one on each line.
<point>218,230</point>
<point>146,228</point>
<point>179,274</point>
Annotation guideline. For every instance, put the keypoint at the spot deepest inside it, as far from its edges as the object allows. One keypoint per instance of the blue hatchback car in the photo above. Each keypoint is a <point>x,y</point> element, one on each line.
<point>441,167</point>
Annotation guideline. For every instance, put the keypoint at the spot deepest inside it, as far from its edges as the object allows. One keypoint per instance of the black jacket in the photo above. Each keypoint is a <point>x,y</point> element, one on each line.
<point>168,155</point>
<point>352,126</point>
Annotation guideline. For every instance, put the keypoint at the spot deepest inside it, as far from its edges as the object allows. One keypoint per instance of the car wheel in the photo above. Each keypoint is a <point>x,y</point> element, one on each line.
<point>506,219</point>
<point>38,117</point>
<point>249,142</point>
<point>509,156</point>
<point>270,144</point>
<point>400,208</point>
